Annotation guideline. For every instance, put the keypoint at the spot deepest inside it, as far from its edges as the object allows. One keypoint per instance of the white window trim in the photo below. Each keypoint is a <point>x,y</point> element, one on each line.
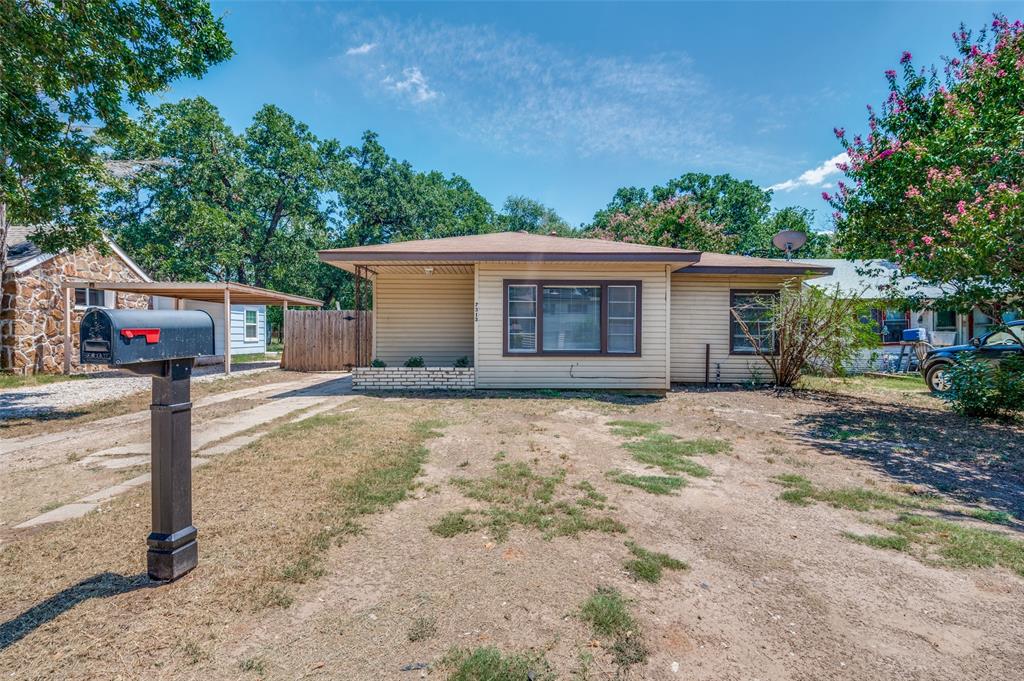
<point>106,298</point>
<point>536,313</point>
<point>632,319</point>
<point>255,325</point>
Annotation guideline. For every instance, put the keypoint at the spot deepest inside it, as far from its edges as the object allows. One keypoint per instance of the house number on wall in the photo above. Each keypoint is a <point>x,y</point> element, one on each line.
<point>476,311</point>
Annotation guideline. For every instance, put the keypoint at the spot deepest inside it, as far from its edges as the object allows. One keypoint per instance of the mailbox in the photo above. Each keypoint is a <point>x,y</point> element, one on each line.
<point>123,337</point>
<point>164,345</point>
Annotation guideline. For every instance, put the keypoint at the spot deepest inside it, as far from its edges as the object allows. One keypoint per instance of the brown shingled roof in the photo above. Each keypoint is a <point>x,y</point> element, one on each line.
<point>508,246</point>
<point>720,263</point>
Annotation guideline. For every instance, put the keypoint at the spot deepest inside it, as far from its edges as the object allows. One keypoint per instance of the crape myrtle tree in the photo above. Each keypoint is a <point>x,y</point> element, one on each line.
<point>936,182</point>
<point>675,221</point>
<point>69,68</point>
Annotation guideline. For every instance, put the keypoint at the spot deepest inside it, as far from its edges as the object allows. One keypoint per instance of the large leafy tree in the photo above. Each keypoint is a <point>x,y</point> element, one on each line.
<point>794,218</point>
<point>676,221</point>
<point>739,206</point>
<point>246,207</point>
<point>522,214</point>
<point>381,199</point>
<point>937,179</point>
<point>70,67</point>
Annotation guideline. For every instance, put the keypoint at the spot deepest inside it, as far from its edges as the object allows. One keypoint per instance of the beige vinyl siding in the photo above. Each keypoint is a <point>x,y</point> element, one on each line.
<point>428,315</point>
<point>647,371</point>
<point>700,316</point>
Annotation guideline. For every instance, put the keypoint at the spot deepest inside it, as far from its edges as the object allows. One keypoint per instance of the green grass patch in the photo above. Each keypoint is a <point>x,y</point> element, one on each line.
<point>647,566</point>
<point>490,664</point>
<point>520,496</point>
<point>8,381</point>
<point>252,357</point>
<point>949,543</point>
<point>990,516</point>
<point>802,492</point>
<point>668,454</point>
<point>623,428</point>
<point>653,484</point>
<point>607,613</point>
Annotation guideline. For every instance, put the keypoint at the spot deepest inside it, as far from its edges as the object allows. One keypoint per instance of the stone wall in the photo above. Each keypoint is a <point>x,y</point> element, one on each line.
<point>413,378</point>
<point>32,309</point>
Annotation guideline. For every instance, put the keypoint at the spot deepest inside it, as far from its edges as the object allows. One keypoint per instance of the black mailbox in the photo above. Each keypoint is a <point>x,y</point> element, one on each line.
<point>120,337</point>
<point>164,345</point>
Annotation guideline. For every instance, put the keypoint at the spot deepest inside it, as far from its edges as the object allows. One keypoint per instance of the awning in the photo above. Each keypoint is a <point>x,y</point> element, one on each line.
<point>209,292</point>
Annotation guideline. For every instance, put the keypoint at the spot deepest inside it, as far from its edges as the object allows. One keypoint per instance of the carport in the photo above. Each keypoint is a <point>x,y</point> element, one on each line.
<point>207,292</point>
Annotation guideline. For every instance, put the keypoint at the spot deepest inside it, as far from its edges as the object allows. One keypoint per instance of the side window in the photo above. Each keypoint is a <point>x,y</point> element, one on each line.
<point>252,331</point>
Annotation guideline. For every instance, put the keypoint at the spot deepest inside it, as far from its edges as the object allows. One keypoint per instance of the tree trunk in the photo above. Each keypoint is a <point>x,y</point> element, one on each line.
<point>3,257</point>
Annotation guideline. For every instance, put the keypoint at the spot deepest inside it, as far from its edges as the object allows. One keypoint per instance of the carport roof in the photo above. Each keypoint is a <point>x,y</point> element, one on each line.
<point>210,292</point>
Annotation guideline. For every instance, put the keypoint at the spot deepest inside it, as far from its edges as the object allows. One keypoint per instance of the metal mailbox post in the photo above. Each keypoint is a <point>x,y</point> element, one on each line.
<point>164,345</point>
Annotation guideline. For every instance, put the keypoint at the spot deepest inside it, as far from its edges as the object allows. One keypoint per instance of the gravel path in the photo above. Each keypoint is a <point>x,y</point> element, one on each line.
<point>39,400</point>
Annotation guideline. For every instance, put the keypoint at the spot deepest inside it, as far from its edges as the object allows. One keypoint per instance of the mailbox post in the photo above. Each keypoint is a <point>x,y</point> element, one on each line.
<point>163,345</point>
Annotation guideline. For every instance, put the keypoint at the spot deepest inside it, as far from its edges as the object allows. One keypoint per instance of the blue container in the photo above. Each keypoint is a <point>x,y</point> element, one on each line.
<point>915,335</point>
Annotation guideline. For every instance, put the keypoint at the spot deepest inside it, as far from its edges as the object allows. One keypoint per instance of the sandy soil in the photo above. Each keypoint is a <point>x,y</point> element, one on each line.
<point>774,591</point>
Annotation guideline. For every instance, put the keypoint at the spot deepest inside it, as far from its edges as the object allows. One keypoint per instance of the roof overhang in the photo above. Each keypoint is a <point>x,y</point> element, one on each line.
<point>807,272</point>
<point>209,292</point>
<point>356,257</point>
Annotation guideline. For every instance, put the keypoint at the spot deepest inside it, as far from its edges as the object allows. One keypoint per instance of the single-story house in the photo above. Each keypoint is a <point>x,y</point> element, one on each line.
<point>533,311</point>
<point>45,296</point>
<point>880,280</point>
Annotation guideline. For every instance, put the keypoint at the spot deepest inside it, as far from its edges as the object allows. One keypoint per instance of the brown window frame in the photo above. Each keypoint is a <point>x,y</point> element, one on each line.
<point>540,284</point>
<point>732,320</point>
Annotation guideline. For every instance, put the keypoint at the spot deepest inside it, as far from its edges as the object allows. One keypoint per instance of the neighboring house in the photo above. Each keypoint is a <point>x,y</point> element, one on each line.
<point>878,280</point>
<point>32,305</point>
<point>32,328</point>
<point>533,311</point>
<point>249,331</point>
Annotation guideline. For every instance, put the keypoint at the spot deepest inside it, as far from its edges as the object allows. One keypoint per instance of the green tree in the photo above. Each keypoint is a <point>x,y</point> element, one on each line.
<point>739,206</point>
<point>68,68</point>
<point>246,207</point>
<point>381,199</point>
<point>795,218</point>
<point>676,221</point>
<point>937,180</point>
<point>522,214</point>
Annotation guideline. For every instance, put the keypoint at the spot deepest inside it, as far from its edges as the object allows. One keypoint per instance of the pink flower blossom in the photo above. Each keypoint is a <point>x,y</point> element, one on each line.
<point>905,58</point>
<point>839,132</point>
<point>927,240</point>
<point>946,233</point>
<point>912,191</point>
<point>889,73</point>
<point>825,195</point>
<point>961,206</point>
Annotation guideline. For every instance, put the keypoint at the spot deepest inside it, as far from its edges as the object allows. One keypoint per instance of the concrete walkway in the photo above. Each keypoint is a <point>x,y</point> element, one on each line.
<point>314,394</point>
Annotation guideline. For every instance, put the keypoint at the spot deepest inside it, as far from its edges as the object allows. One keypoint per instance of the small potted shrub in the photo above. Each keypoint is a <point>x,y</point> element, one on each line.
<point>462,362</point>
<point>378,364</point>
<point>415,362</point>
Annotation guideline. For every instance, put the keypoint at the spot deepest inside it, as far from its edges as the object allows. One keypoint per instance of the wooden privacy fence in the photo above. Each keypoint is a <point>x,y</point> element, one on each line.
<point>326,340</point>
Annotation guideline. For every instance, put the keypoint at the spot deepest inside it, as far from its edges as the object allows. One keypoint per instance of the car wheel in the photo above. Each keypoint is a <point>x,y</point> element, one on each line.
<point>936,379</point>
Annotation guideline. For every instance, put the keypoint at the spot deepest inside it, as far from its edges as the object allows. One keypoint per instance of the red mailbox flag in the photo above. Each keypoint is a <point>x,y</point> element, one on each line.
<point>152,335</point>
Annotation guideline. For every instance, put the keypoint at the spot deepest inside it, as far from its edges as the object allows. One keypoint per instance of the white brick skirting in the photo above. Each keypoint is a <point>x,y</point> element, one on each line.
<point>413,378</point>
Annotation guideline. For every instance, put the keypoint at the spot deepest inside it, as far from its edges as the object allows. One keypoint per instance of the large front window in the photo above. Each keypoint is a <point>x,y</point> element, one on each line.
<point>572,318</point>
<point>754,309</point>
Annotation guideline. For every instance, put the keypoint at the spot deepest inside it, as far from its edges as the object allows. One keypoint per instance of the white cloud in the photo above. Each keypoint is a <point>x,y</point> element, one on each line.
<point>514,93</point>
<point>815,176</point>
<point>413,83</point>
<point>365,48</point>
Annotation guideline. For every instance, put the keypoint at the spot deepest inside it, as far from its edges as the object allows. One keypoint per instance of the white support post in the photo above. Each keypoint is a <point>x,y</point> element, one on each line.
<point>68,293</point>
<point>227,329</point>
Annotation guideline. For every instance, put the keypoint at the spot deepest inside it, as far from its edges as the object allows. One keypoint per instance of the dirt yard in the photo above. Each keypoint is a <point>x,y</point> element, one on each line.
<point>856,531</point>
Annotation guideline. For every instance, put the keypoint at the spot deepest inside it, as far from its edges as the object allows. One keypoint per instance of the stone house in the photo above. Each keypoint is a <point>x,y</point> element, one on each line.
<point>32,305</point>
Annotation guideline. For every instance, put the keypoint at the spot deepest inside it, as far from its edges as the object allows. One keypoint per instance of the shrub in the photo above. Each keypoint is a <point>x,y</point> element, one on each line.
<point>977,388</point>
<point>416,361</point>
<point>378,364</point>
<point>462,362</point>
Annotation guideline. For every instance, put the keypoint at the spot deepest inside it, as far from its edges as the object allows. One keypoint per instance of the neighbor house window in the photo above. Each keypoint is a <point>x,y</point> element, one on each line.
<point>251,325</point>
<point>572,318</point>
<point>754,308</point>
<point>891,324</point>
<point>89,297</point>
<point>945,320</point>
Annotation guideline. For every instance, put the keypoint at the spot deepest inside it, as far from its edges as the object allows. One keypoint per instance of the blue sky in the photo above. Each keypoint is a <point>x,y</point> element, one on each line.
<point>567,102</point>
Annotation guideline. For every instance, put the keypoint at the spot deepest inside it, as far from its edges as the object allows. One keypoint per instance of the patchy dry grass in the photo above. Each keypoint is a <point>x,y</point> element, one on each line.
<point>653,484</point>
<point>800,491</point>
<point>422,628</point>
<point>607,613</point>
<point>490,664</point>
<point>624,428</point>
<point>991,516</point>
<point>518,495</point>
<point>664,450</point>
<point>11,381</point>
<point>647,566</point>
<point>948,543</point>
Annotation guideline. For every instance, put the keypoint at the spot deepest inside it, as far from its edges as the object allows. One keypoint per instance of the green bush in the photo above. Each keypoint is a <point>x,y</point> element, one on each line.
<point>416,361</point>
<point>378,364</point>
<point>462,362</point>
<point>978,388</point>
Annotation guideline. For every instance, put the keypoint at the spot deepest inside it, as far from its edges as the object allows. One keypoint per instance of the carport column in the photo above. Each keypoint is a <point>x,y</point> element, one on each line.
<point>227,329</point>
<point>284,331</point>
<point>68,292</point>
<point>172,543</point>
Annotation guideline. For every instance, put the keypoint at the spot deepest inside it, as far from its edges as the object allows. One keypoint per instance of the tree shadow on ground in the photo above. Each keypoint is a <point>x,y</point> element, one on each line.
<point>971,460</point>
<point>611,397</point>
<point>102,585</point>
<point>21,406</point>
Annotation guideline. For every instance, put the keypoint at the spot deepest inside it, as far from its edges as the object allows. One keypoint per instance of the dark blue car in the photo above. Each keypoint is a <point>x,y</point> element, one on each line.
<point>993,347</point>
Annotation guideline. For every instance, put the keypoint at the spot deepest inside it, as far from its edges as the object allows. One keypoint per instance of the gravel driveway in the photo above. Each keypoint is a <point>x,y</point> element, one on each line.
<point>39,400</point>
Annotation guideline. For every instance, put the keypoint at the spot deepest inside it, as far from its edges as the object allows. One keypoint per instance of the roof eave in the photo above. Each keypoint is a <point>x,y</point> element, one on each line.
<point>756,269</point>
<point>357,257</point>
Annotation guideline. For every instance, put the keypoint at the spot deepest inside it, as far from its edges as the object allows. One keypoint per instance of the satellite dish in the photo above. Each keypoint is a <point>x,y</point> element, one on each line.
<point>789,240</point>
